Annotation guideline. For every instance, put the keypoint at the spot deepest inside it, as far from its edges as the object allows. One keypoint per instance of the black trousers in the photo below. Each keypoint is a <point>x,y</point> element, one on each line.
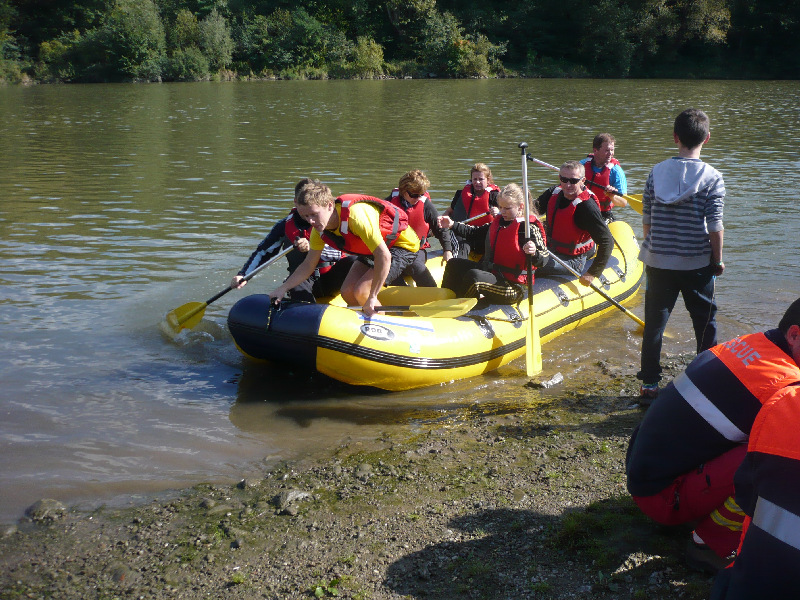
<point>468,280</point>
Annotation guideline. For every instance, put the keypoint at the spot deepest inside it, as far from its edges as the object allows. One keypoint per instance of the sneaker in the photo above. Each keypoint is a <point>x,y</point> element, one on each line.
<point>647,393</point>
<point>702,558</point>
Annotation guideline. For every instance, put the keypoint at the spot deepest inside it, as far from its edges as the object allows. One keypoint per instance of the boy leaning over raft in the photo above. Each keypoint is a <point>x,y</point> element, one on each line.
<point>374,230</point>
<point>292,230</point>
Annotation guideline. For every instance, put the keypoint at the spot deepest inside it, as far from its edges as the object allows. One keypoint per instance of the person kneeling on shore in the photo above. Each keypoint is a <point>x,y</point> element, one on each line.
<point>682,458</point>
<point>501,275</point>
<point>374,230</point>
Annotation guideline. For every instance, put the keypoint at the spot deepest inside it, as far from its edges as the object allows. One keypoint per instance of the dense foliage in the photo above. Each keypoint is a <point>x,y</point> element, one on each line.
<point>118,40</point>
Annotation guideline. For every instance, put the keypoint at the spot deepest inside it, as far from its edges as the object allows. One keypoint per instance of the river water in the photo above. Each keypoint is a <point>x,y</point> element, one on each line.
<point>122,202</point>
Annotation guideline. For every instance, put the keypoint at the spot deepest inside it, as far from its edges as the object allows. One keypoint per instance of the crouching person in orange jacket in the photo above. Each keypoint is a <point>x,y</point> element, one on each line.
<point>683,456</point>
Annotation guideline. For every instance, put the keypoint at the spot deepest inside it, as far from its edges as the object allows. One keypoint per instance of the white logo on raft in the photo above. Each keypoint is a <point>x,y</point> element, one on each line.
<point>377,332</point>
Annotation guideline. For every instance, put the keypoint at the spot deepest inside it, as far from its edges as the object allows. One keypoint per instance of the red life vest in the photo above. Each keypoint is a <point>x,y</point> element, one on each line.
<point>563,236</point>
<point>292,230</point>
<point>476,205</point>
<point>416,216</point>
<point>504,253</point>
<point>602,178</point>
<point>392,221</point>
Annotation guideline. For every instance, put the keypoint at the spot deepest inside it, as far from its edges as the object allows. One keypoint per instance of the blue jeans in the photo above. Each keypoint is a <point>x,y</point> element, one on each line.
<point>661,293</point>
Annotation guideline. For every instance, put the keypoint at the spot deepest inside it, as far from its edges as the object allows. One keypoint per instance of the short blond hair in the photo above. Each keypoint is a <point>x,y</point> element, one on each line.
<point>413,182</point>
<point>314,193</point>
<point>303,183</point>
<point>514,193</point>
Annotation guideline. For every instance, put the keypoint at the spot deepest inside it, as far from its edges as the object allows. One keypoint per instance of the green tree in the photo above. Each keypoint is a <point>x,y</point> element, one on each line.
<point>133,41</point>
<point>446,50</point>
<point>609,40</point>
<point>185,32</point>
<point>215,40</point>
<point>668,26</point>
<point>9,50</point>
<point>763,35</point>
<point>37,21</point>
<point>56,57</point>
<point>289,40</point>
<point>367,58</point>
<point>187,64</point>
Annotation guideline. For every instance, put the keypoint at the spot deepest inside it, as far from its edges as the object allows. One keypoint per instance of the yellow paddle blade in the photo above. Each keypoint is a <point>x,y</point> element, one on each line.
<point>413,295</point>
<point>634,201</point>
<point>533,348</point>
<point>439,309</point>
<point>445,308</point>
<point>186,316</point>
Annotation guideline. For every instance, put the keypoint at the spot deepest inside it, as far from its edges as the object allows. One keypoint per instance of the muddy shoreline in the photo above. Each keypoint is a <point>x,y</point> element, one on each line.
<point>494,501</point>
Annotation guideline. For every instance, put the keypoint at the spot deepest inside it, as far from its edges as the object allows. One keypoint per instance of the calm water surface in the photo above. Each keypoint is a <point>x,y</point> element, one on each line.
<point>120,203</point>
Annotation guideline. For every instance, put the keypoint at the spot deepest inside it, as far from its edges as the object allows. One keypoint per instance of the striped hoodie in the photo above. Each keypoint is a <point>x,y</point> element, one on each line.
<point>682,203</point>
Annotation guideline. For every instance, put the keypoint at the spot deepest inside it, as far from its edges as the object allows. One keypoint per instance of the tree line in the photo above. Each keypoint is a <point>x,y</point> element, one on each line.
<point>191,40</point>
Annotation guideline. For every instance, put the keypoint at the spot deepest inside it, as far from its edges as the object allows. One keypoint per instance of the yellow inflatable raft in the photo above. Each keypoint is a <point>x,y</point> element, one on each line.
<point>405,350</point>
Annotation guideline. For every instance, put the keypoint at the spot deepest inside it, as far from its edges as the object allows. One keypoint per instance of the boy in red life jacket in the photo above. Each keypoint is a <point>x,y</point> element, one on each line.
<point>412,196</point>
<point>682,458</point>
<point>501,275</point>
<point>292,230</point>
<point>479,196</point>
<point>603,169</point>
<point>374,230</point>
<point>576,231</point>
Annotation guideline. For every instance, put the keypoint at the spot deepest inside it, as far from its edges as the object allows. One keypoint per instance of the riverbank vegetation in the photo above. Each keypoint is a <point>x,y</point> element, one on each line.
<point>189,40</point>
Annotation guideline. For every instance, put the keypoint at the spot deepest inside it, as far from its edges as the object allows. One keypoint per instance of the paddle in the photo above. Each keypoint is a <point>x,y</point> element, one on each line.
<point>533,345</point>
<point>440,309</point>
<point>476,217</point>
<point>189,315</point>
<point>598,290</point>
<point>634,202</point>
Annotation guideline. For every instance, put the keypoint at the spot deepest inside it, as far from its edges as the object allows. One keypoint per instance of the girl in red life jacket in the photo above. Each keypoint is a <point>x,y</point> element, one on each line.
<point>501,275</point>
<point>412,196</point>
<point>479,196</point>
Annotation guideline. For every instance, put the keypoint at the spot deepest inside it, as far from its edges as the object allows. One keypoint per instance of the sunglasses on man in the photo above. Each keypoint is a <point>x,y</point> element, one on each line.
<point>572,180</point>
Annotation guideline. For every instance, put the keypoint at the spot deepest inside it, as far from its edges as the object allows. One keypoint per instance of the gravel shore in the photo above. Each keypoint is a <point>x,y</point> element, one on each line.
<point>494,501</point>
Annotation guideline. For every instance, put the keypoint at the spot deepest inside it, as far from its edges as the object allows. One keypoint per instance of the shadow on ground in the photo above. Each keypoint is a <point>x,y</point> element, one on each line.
<point>609,550</point>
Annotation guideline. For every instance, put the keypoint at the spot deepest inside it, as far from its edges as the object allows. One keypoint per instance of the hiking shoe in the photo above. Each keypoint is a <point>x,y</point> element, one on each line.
<point>702,558</point>
<point>647,393</point>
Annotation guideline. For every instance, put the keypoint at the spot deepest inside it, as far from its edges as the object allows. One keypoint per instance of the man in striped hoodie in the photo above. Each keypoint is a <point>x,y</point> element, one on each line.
<point>682,248</point>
